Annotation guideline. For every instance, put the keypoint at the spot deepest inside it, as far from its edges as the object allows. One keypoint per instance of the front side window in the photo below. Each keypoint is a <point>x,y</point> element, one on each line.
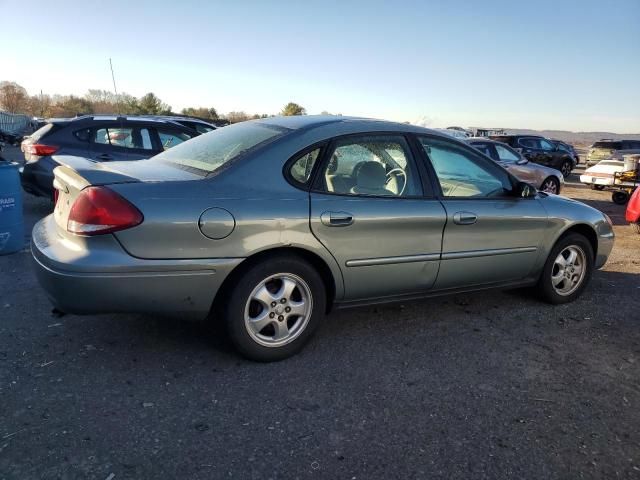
<point>546,145</point>
<point>461,173</point>
<point>506,154</point>
<point>209,152</point>
<point>126,137</point>
<point>372,165</point>
<point>302,167</point>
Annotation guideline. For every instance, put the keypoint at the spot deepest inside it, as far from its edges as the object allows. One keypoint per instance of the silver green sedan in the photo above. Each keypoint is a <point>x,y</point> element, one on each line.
<point>267,225</point>
<point>544,178</point>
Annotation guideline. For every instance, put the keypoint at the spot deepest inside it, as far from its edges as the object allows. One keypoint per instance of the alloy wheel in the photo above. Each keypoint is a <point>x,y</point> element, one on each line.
<point>278,310</point>
<point>569,269</point>
<point>565,169</point>
<point>550,186</point>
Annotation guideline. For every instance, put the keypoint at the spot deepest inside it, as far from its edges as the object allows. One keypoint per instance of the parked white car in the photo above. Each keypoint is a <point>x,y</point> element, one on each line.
<point>601,175</point>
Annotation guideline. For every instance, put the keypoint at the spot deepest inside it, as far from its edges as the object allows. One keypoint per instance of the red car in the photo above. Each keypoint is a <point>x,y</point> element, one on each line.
<point>633,210</point>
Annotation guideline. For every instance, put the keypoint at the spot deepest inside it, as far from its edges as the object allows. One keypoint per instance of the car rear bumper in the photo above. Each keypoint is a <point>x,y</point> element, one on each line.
<point>595,180</point>
<point>106,279</point>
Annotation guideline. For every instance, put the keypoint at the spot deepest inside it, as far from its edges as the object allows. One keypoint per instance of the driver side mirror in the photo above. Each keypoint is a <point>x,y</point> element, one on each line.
<point>524,190</point>
<point>522,161</point>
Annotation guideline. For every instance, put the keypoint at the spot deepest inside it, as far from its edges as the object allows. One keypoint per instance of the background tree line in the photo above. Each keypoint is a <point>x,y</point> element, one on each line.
<point>15,99</point>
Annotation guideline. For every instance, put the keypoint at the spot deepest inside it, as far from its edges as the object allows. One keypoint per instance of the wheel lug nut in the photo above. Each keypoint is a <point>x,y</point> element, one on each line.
<point>288,309</point>
<point>284,300</point>
<point>280,317</point>
<point>273,304</point>
<point>271,315</point>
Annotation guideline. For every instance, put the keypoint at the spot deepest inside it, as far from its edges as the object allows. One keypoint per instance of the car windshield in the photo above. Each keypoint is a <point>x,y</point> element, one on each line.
<point>212,150</point>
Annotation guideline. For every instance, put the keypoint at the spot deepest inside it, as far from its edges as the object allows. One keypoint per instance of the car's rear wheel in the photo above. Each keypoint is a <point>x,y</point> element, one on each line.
<point>274,308</point>
<point>551,185</point>
<point>567,271</point>
<point>565,168</point>
<point>620,198</point>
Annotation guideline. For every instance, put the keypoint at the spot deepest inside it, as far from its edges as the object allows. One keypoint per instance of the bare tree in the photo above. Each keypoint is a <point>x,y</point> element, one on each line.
<point>13,97</point>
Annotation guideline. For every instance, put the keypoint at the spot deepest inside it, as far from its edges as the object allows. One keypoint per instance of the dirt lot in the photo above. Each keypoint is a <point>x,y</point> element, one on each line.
<point>488,385</point>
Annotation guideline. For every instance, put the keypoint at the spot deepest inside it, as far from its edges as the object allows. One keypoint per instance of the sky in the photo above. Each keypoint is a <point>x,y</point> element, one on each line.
<point>567,65</point>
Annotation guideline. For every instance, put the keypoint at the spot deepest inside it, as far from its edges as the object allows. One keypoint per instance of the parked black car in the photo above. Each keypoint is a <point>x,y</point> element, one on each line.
<point>540,150</point>
<point>98,138</point>
<point>567,147</point>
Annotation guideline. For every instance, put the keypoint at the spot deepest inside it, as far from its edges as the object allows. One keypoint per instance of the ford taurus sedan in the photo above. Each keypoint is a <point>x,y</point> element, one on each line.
<point>267,225</point>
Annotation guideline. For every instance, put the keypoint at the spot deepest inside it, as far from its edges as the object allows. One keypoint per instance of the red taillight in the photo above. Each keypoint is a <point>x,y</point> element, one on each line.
<point>98,210</point>
<point>40,149</point>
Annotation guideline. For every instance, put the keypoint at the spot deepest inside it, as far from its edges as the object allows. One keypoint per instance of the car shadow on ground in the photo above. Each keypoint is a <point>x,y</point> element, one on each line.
<point>149,339</point>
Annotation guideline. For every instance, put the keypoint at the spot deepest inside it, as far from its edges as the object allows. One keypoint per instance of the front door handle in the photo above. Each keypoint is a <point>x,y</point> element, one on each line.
<point>465,218</point>
<point>336,219</point>
<point>104,156</point>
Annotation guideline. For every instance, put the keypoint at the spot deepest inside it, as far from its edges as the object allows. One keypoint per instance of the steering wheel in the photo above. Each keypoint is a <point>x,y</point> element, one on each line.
<point>395,173</point>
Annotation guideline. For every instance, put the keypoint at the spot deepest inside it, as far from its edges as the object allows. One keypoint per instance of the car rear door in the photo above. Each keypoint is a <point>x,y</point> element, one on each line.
<point>372,211</point>
<point>491,236</point>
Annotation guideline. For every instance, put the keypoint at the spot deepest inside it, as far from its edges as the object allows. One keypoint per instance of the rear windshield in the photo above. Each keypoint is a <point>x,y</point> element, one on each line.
<point>41,132</point>
<point>212,150</point>
<point>609,145</point>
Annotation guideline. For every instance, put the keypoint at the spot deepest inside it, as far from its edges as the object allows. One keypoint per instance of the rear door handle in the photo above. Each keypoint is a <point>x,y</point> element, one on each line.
<point>464,218</point>
<point>336,219</point>
<point>104,156</point>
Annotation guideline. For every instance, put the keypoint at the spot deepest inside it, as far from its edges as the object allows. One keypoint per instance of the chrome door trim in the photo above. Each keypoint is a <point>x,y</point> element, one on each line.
<point>486,253</point>
<point>365,262</point>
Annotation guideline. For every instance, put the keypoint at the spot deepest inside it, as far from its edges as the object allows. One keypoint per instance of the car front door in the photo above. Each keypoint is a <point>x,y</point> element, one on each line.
<point>371,210</point>
<point>491,236</point>
<point>121,141</point>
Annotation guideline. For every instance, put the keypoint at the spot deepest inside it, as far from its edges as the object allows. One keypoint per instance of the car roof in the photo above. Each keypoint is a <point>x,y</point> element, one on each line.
<point>308,122</point>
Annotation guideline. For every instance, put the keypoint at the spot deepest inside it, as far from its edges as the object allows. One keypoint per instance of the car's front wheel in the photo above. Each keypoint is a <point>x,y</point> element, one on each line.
<point>567,271</point>
<point>274,308</point>
<point>551,185</point>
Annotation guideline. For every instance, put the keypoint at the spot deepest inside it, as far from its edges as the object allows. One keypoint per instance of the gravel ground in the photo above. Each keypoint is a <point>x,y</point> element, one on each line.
<point>487,385</point>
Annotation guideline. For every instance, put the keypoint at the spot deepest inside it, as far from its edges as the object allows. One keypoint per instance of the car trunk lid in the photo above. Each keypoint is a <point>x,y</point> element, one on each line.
<point>77,173</point>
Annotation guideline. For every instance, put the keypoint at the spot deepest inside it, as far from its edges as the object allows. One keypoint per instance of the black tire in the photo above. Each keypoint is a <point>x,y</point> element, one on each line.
<point>565,168</point>
<point>636,227</point>
<point>235,304</point>
<point>597,187</point>
<point>545,286</point>
<point>620,198</point>
<point>549,180</point>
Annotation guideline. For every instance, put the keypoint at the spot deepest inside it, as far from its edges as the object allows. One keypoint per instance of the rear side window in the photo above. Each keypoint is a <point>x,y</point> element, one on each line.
<point>83,135</point>
<point>302,167</point>
<point>630,145</point>
<point>484,148</point>
<point>528,143</point>
<point>170,138</point>
<point>209,152</point>
<point>126,137</point>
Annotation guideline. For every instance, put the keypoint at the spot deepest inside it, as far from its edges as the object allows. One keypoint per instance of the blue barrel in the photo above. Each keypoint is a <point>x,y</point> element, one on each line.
<point>11,218</point>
